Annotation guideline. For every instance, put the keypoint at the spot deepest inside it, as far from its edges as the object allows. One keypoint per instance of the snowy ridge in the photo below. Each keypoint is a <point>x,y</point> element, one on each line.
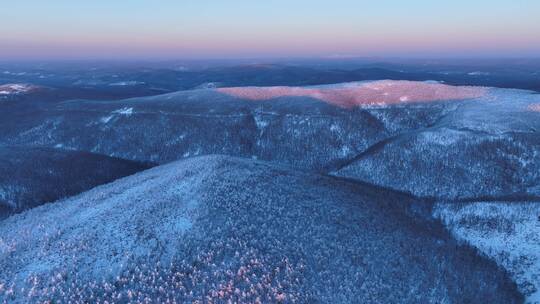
<point>534,107</point>
<point>365,93</point>
<point>509,233</point>
<point>221,229</point>
<point>16,89</point>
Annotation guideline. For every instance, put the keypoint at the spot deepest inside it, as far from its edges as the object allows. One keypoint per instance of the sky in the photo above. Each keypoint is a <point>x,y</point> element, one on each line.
<point>221,29</point>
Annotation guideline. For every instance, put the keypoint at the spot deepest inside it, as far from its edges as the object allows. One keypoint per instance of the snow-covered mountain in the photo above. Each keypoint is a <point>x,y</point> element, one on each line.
<point>450,146</point>
<point>168,127</point>
<point>507,232</point>
<point>487,147</point>
<point>215,228</point>
<point>448,142</point>
<point>16,88</point>
<point>451,163</point>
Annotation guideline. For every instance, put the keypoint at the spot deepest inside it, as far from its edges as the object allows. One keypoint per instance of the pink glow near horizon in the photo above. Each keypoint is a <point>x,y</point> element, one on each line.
<point>534,107</point>
<point>373,93</point>
<point>214,29</point>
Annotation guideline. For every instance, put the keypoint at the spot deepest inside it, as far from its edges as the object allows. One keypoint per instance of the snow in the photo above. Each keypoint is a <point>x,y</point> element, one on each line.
<point>404,98</point>
<point>509,233</point>
<point>127,83</point>
<point>260,121</point>
<point>443,137</point>
<point>451,149</point>
<point>534,107</point>
<point>17,88</point>
<point>335,127</point>
<point>478,73</point>
<point>208,85</point>
<point>345,151</point>
<point>361,94</point>
<point>14,73</point>
<point>217,228</point>
<point>124,111</point>
<point>487,146</point>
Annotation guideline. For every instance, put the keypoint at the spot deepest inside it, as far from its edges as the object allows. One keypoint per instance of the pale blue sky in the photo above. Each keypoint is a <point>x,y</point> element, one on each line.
<point>240,28</point>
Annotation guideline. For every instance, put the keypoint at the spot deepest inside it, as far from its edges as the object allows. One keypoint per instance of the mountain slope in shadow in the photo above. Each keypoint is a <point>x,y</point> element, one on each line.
<point>33,176</point>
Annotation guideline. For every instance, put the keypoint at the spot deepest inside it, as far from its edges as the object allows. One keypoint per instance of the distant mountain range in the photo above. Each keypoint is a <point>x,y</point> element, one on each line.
<point>100,81</point>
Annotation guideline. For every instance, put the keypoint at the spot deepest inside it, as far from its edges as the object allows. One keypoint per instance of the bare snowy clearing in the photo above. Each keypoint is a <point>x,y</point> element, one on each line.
<point>385,92</point>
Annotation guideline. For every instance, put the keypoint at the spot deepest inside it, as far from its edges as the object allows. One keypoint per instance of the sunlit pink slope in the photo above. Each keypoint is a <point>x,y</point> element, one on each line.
<point>535,107</point>
<point>371,93</point>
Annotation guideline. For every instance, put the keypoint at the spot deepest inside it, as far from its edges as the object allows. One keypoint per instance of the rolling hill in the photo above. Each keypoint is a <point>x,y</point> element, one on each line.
<point>221,229</point>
